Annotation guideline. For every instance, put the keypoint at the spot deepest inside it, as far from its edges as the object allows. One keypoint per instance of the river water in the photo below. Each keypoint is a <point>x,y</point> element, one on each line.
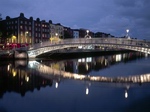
<point>34,86</point>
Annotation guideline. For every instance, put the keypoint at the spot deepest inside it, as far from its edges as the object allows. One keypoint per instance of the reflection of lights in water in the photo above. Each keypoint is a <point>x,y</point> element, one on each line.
<point>126,94</point>
<point>79,60</point>
<point>56,85</point>
<point>76,67</point>
<point>89,59</point>
<point>87,91</point>
<point>83,60</point>
<point>146,55</point>
<point>27,78</point>
<point>32,64</point>
<point>124,56</point>
<point>126,91</point>
<point>87,67</point>
<point>118,57</point>
<point>105,62</point>
<point>14,73</point>
<point>8,67</point>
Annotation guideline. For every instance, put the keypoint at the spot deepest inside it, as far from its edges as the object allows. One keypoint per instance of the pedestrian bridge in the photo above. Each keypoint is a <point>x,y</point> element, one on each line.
<point>121,43</point>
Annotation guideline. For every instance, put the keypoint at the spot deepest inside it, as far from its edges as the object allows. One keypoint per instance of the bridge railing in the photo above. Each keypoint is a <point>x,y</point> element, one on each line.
<point>81,41</point>
<point>122,41</point>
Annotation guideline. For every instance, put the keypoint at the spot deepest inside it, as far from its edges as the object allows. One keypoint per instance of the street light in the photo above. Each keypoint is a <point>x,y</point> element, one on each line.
<point>56,34</point>
<point>26,35</point>
<point>87,31</point>
<point>127,30</point>
<point>87,36</point>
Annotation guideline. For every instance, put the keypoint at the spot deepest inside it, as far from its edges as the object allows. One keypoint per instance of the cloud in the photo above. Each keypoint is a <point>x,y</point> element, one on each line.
<point>109,16</point>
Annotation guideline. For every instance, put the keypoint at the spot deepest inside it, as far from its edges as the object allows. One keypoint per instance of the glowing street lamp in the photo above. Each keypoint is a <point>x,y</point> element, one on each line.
<point>87,31</point>
<point>56,85</point>
<point>87,91</point>
<point>127,30</point>
<point>56,34</point>
<point>87,35</point>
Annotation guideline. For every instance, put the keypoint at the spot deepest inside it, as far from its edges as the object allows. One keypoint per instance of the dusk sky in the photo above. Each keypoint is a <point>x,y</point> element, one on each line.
<point>109,16</point>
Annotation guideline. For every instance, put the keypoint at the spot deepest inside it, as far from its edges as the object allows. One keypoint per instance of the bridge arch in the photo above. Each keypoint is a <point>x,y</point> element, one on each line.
<point>122,43</point>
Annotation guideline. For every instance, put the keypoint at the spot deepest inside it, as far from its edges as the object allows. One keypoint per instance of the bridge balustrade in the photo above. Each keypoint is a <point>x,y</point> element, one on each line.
<point>123,43</point>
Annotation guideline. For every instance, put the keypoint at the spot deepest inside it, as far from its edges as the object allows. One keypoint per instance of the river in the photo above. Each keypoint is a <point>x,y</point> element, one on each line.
<point>27,86</point>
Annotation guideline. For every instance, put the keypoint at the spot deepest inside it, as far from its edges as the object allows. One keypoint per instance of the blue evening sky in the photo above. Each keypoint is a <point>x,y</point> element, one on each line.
<point>109,16</point>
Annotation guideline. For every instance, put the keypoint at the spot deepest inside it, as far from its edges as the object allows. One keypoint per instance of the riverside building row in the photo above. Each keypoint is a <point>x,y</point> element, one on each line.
<point>30,31</point>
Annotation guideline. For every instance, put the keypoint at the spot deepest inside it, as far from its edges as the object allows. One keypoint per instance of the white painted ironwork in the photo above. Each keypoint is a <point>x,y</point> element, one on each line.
<point>124,43</point>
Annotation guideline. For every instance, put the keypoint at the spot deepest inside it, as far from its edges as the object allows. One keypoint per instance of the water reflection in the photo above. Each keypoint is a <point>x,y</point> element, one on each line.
<point>23,76</point>
<point>20,80</point>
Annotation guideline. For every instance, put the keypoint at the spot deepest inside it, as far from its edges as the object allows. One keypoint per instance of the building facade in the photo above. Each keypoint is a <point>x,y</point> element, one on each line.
<point>27,30</point>
<point>68,32</point>
<point>56,30</point>
<point>75,33</point>
<point>24,30</point>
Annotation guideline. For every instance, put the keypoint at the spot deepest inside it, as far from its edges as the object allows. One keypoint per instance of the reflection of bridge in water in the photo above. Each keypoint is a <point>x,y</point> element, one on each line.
<point>54,73</point>
<point>49,75</point>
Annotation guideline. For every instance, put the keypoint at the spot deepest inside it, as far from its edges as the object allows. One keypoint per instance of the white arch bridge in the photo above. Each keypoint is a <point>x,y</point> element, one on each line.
<point>121,43</point>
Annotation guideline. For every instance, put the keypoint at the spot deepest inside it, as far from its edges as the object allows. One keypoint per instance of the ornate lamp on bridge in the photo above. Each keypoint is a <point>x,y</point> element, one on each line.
<point>87,35</point>
<point>127,34</point>
<point>87,31</point>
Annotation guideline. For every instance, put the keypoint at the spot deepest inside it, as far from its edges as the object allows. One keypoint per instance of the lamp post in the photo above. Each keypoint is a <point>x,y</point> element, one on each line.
<point>56,34</point>
<point>87,31</point>
<point>87,36</point>
<point>26,36</point>
<point>127,34</point>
